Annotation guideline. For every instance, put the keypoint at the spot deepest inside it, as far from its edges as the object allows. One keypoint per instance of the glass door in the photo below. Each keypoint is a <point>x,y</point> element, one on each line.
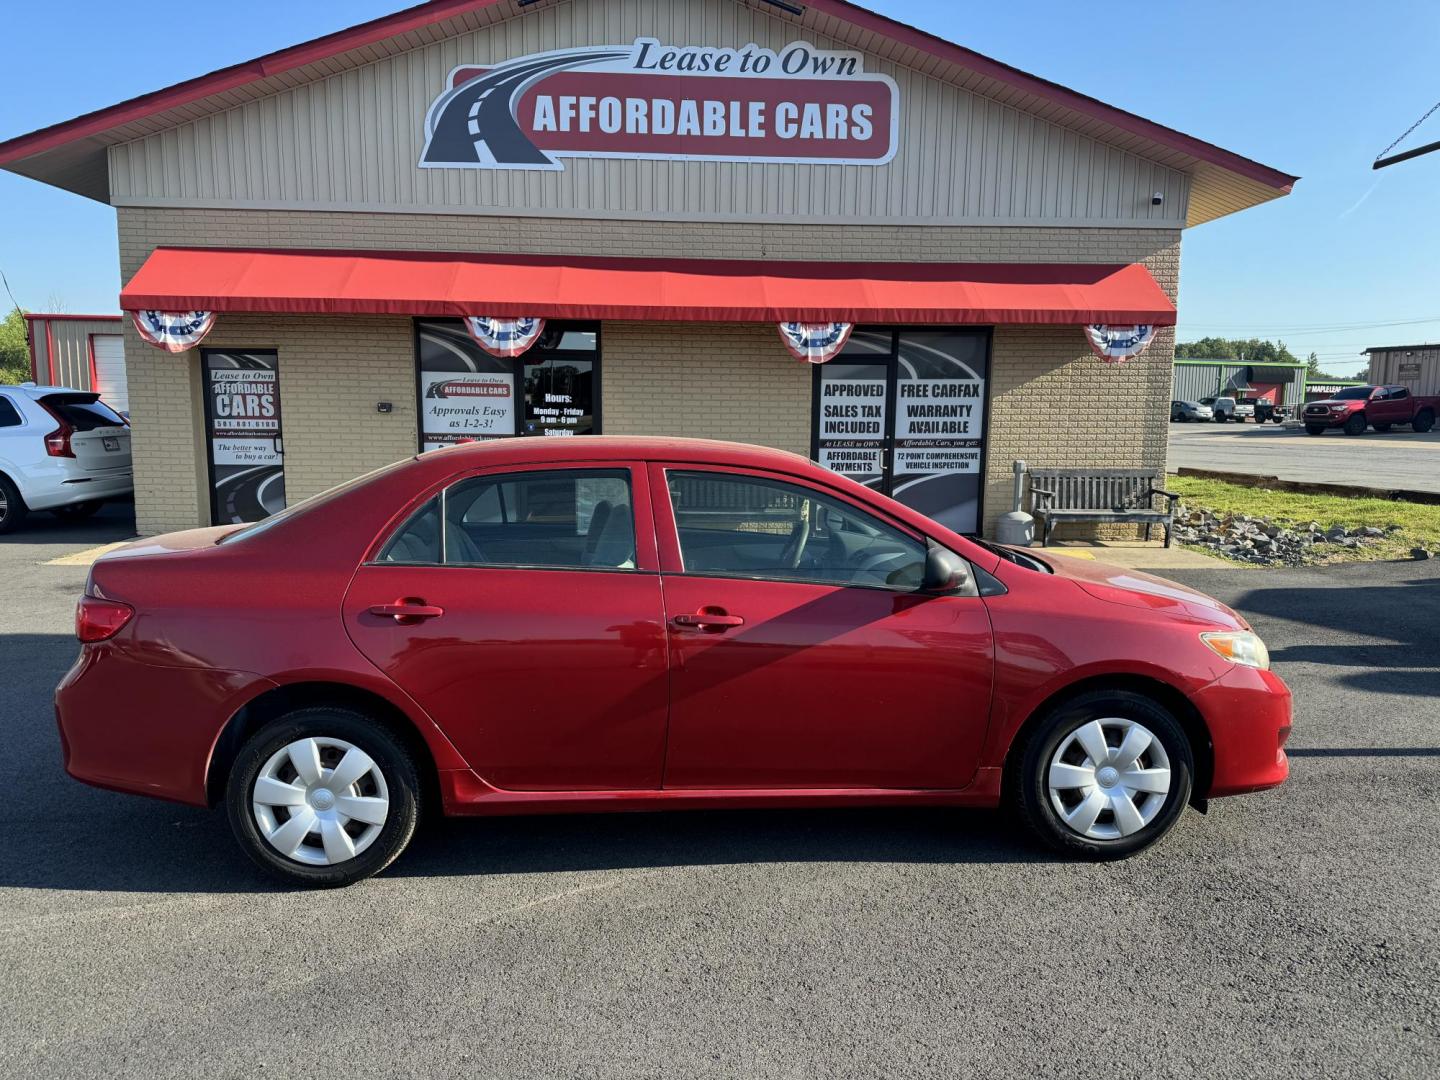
<point>904,412</point>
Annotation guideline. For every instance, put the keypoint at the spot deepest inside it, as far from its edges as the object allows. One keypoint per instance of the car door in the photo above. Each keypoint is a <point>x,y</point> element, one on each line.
<point>802,655</point>
<point>1392,406</point>
<point>521,609</point>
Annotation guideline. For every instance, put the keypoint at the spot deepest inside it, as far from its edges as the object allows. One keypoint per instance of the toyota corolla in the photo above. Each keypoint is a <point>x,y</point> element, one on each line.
<point>601,624</point>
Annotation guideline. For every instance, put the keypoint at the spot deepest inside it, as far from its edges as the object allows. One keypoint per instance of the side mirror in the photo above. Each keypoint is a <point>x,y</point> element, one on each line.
<point>945,572</point>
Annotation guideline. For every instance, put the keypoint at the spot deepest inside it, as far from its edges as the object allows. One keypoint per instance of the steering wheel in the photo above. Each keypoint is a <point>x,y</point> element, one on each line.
<point>799,539</point>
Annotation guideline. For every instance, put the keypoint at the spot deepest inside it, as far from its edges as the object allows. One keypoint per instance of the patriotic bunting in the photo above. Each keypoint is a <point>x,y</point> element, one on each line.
<point>505,337</point>
<point>1116,344</point>
<point>173,331</point>
<point>815,342</point>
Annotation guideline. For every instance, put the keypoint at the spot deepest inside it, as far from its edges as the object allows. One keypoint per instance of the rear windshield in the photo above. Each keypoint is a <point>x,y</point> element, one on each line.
<point>83,412</point>
<point>306,505</point>
<point>1354,393</point>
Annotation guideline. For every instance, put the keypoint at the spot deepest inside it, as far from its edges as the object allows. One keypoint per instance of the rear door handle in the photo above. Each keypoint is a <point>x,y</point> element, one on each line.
<point>407,611</point>
<point>705,620</point>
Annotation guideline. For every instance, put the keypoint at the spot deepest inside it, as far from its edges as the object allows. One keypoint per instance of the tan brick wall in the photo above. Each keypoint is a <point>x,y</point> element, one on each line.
<point>736,382</point>
<point>1052,402</point>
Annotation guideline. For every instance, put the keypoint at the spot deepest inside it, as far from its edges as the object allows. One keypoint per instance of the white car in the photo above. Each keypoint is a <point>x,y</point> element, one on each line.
<point>61,450</point>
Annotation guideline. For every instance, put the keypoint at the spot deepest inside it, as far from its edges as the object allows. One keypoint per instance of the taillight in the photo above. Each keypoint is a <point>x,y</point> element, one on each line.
<point>96,619</point>
<point>57,443</point>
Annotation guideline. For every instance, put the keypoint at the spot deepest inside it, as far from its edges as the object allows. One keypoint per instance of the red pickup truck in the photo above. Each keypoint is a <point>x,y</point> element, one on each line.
<point>1356,408</point>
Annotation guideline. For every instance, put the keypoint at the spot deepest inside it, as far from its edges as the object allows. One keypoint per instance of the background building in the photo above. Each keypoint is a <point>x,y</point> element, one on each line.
<point>1279,383</point>
<point>343,204</point>
<point>86,352</point>
<point>1413,366</point>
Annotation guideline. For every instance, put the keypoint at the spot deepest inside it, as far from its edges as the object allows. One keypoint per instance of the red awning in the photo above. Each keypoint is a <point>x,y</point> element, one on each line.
<point>690,290</point>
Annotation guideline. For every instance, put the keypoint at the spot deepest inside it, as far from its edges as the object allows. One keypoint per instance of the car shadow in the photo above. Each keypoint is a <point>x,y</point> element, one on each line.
<point>138,846</point>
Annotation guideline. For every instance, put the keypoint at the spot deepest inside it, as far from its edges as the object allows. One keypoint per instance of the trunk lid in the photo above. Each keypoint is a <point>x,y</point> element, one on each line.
<point>99,436</point>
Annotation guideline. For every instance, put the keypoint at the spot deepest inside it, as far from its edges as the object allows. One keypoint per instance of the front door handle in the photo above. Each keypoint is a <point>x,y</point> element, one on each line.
<point>405,612</point>
<point>709,620</point>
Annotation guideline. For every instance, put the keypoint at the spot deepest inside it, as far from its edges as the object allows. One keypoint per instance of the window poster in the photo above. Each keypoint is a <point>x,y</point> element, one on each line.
<point>467,395</point>
<point>242,419</point>
<point>940,425</point>
<point>851,425</point>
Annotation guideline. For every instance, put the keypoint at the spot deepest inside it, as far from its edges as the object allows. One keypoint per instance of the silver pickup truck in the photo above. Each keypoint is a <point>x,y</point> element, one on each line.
<point>1227,409</point>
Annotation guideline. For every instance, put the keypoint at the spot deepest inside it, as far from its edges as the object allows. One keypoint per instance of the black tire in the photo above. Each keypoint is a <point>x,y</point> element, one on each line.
<point>76,511</point>
<point>1314,429</point>
<point>14,510</point>
<point>391,758</point>
<point>1356,425</point>
<point>1424,422</point>
<point>1027,786</point>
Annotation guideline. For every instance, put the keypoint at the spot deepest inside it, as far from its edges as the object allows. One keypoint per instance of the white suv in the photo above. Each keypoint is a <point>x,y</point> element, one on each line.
<point>61,450</point>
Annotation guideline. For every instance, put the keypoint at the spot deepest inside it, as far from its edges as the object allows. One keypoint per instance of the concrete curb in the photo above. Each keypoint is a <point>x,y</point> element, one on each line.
<point>1350,491</point>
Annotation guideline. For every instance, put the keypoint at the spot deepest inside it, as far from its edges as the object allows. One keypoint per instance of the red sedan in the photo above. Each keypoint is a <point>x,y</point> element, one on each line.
<point>550,625</point>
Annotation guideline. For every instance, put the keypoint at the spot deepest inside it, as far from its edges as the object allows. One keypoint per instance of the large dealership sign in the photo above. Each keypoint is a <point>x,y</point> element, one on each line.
<point>800,104</point>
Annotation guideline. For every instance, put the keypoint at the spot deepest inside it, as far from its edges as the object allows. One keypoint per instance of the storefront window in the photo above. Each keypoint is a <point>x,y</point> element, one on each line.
<point>903,411</point>
<point>466,394</point>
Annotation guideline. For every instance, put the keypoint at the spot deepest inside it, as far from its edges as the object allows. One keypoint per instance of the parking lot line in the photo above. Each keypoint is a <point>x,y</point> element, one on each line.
<point>86,557</point>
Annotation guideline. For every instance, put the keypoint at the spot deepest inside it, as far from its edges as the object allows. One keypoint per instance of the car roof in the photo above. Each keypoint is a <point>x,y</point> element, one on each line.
<point>34,391</point>
<point>624,448</point>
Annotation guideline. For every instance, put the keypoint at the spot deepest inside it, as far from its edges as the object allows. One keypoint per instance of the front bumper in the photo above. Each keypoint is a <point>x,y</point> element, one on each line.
<point>1248,712</point>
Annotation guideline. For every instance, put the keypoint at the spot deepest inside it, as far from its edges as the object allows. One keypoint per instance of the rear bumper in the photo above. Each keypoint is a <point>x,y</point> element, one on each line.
<point>61,487</point>
<point>1248,712</point>
<point>144,728</point>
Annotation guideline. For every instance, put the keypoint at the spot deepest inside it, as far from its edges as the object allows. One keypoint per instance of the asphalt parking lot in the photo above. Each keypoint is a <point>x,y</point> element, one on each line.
<point>1289,934</point>
<point>1397,459</point>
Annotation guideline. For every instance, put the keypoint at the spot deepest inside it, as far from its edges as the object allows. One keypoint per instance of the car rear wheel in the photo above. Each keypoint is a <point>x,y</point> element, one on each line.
<point>323,797</point>
<point>1424,422</point>
<point>1355,425</point>
<point>12,507</point>
<point>77,511</point>
<point>1105,775</point>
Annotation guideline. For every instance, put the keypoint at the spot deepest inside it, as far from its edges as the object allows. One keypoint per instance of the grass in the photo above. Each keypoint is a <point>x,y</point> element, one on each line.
<point>1419,523</point>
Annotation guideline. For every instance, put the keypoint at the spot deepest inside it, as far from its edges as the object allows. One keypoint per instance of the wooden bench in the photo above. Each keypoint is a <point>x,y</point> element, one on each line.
<point>1123,495</point>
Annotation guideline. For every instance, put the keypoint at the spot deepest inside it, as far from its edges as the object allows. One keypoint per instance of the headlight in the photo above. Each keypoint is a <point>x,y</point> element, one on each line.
<point>1239,647</point>
<point>1337,408</point>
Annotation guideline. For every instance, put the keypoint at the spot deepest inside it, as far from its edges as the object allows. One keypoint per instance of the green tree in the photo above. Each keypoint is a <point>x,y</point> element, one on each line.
<point>1241,350</point>
<point>14,352</point>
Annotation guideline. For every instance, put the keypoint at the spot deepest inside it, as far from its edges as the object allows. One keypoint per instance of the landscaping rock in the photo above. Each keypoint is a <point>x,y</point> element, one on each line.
<point>1420,553</point>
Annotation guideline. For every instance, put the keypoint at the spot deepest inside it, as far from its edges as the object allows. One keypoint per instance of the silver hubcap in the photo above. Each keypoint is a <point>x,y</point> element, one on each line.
<point>320,801</point>
<point>1109,778</point>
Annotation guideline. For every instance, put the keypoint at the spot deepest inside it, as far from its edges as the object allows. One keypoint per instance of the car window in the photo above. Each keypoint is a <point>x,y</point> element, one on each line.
<point>83,412</point>
<point>572,519</point>
<point>744,526</point>
<point>1398,392</point>
<point>9,415</point>
<point>1353,393</point>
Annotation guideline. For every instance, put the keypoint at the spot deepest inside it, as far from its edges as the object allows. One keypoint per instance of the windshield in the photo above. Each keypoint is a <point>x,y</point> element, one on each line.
<point>304,506</point>
<point>1354,393</point>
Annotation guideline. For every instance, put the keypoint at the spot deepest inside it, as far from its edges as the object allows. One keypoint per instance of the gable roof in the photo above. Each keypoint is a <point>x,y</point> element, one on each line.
<point>72,155</point>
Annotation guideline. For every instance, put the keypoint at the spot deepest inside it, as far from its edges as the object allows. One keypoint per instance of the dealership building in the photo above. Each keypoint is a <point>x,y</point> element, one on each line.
<point>496,218</point>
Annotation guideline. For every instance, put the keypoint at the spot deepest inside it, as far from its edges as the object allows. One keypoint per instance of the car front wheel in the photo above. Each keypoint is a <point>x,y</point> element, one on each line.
<point>323,797</point>
<point>1105,775</point>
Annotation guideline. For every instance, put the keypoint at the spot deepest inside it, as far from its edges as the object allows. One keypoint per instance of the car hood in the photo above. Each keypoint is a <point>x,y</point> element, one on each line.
<point>1332,401</point>
<point>1137,589</point>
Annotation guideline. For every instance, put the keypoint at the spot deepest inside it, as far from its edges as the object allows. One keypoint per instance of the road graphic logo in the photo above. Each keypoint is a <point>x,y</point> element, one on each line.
<point>800,104</point>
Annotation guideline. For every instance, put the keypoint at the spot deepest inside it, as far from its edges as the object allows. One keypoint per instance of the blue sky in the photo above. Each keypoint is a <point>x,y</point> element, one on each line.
<point>1316,88</point>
